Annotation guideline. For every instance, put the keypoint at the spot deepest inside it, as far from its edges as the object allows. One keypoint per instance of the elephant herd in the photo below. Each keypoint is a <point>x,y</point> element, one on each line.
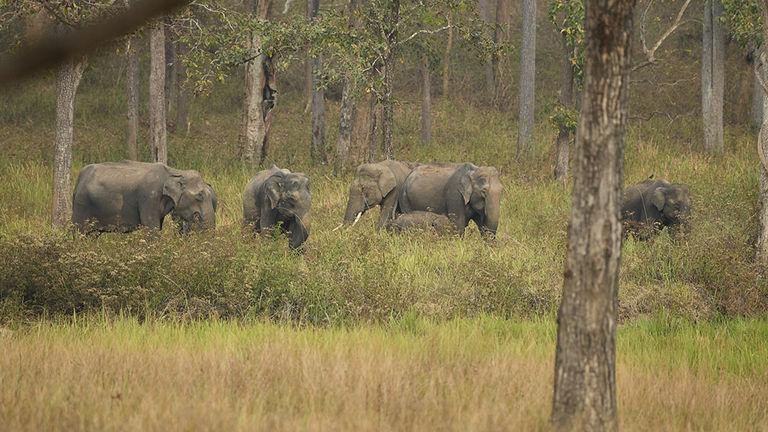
<point>442,197</point>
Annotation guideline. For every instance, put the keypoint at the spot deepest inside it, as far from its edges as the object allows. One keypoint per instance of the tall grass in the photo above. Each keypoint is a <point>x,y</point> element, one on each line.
<point>409,374</point>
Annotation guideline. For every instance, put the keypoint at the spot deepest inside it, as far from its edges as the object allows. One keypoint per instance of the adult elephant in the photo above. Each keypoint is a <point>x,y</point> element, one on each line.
<point>461,192</point>
<point>279,199</point>
<point>376,184</point>
<point>122,196</point>
<point>651,205</point>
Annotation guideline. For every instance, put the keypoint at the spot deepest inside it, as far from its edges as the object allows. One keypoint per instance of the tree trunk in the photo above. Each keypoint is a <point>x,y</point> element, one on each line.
<point>157,93</point>
<point>170,76</point>
<point>318,152</point>
<point>426,101</point>
<point>712,76</point>
<point>182,94</point>
<point>387,103</point>
<point>447,58</point>
<point>372,128</point>
<point>499,36</point>
<point>585,377</point>
<point>490,83</point>
<point>762,145</point>
<point>562,149</point>
<point>260,92</point>
<point>68,78</point>
<point>756,112</point>
<point>348,108</point>
<point>527,93</point>
<point>132,96</point>
<point>308,67</point>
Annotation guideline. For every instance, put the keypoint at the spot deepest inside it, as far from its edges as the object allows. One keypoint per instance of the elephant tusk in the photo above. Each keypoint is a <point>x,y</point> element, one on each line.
<point>357,218</point>
<point>338,227</point>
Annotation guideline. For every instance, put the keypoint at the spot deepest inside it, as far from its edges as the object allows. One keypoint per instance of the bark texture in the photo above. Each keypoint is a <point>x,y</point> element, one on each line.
<point>499,36</point>
<point>762,146</point>
<point>372,127</point>
<point>387,102</point>
<point>68,79</point>
<point>132,96</point>
<point>426,102</point>
<point>318,151</point>
<point>490,83</point>
<point>260,97</point>
<point>157,122</point>
<point>585,377</point>
<point>562,145</point>
<point>527,93</point>
<point>713,76</point>
<point>348,108</point>
<point>447,59</point>
<point>756,111</point>
<point>182,93</point>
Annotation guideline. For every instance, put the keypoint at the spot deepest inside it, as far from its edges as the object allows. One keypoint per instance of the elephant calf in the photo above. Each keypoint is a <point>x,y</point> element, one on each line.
<point>421,220</point>
<point>279,199</point>
<point>651,205</point>
<point>122,196</point>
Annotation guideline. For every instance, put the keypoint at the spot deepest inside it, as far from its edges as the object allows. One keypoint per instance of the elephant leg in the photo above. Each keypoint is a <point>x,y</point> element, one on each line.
<point>459,221</point>
<point>268,219</point>
<point>388,208</point>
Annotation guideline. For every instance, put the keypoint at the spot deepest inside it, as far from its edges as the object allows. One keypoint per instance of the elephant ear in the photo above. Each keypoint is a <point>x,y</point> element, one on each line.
<point>387,182</point>
<point>273,190</point>
<point>173,188</point>
<point>465,187</point>
<point>658,198</point>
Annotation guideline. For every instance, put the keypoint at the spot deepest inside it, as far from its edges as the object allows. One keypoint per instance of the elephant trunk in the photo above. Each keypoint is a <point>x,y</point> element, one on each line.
<point>299,227</point>
<point>355,207</point>
<point>491,217</point>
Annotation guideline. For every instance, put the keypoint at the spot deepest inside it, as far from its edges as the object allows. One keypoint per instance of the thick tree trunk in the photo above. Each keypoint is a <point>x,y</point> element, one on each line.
<point>762,146</point>
<point>712,76</point>
<point>159,152</point>
<point>170,76</point>
<point>68,78</point>
<point>372,128</point>
<point>132,96</point>
<point>387,103</point>
<point>348,108</point>
<point>490,83</point>
<point>260,93</point>
<point>585,377</point>
<point>426,102</point>
<point>527,93</point>
<point>562,145</point>
<point>756,111</point>
<point>318,151</point>
<point>182,93</point>
<point>447,59</point>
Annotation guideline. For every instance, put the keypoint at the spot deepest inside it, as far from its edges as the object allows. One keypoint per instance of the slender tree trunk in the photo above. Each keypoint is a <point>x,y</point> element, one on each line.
<point>260,93</point>
<point>387,102</point>
<point>170,76</point>
<point>68,79</point>
<point>712,76</point>
<point>348,108</point>
<point>490,83</point>
<point>585,358</point>
<point>562,149</point>
<point>527,94</point>
<point>132,96</point>
<point>318,151</point>
<point>426,102</point>
<point>762,145</point>
<point>372,128</point>
<point>182,93</point>
<point>157,93</point>
<point>447,58</point>
<point>499,36</point>
<point>308,67</point>
<point>756,112</point>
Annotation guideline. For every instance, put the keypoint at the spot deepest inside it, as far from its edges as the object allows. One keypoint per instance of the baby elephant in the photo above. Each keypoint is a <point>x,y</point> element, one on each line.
<point>423,221</point>
<point>651,205</point>
<point>279,198</point>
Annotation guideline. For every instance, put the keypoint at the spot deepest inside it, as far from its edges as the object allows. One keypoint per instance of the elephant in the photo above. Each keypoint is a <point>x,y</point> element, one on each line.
<point>376,184</point>
<point>651,205</point>
<point>462,192</point>
<point>421,220</point>
<point>122,196</point>
<point>279,198</point>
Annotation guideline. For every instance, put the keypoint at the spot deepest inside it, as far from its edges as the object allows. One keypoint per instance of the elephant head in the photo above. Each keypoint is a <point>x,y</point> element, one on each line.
<point>373,183</point>
<point>192,202</point>
<point>673,201</point>
<point>289,196</point>
<point>480,189</point>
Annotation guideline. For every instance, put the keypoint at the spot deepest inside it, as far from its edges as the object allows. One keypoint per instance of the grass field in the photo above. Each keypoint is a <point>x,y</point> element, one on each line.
<point>408,374</point>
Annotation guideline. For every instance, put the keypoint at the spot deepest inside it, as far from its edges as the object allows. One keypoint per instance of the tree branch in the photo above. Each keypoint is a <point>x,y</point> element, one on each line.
<point>420,32</point>
<point>651,53</point>
<point>54,49</point>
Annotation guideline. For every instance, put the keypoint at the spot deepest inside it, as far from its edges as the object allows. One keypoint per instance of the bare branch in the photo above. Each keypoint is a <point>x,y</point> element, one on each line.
<point>420,32</point>
<point>650,54</point>
<point>53,48</point>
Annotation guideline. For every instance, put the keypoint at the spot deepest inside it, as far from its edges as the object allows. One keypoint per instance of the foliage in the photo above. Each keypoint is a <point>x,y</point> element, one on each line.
<point>564,118</point>
<point>743,19</point>
<point>568,18</point>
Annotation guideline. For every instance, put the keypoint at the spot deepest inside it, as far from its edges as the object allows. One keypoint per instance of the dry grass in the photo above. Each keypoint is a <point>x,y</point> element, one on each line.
<point>481,374</point>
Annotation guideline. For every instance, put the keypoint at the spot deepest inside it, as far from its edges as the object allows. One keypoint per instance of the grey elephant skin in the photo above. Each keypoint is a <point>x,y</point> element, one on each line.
<point>376,184</point>
<point>279,199</point>
<point>462,192</point>
<point>123,196</point>
<point>651,205</point>
<point>421,221</point>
